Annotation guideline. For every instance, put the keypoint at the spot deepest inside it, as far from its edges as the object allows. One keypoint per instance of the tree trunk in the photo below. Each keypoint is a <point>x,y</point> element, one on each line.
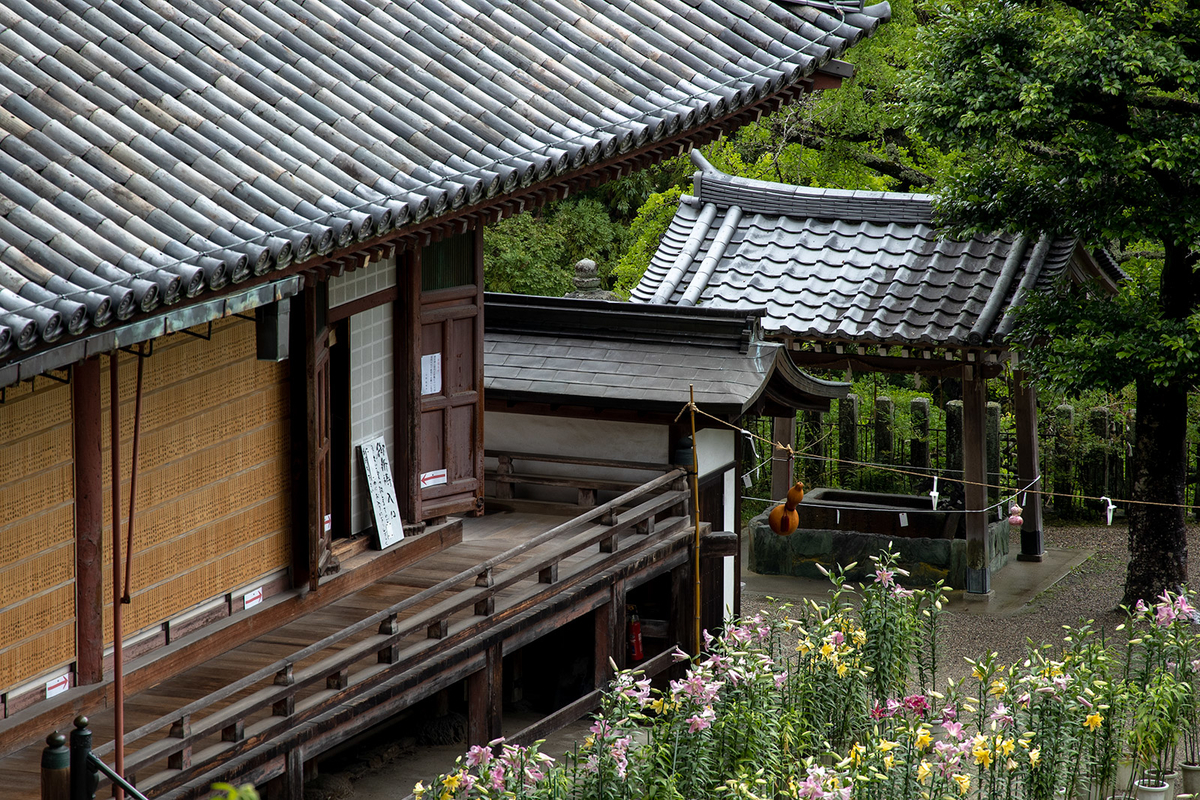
<point>1157,536</point>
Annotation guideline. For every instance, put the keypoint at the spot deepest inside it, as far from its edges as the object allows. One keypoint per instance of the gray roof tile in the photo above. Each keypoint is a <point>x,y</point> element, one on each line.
<point>150,143</point>
<point>843,265</point>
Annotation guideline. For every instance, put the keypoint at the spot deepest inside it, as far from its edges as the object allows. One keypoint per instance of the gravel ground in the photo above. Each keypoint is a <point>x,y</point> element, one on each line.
<point>1090,591</point>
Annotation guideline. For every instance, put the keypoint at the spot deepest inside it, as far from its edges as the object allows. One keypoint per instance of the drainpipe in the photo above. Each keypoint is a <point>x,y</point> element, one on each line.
<point>114,414</point>
<point>124,598</point>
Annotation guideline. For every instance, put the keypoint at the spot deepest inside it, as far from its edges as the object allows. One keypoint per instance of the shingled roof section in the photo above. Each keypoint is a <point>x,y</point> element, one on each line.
<point>623,355</point>
<point>152,153</point>
<point>849,266</point>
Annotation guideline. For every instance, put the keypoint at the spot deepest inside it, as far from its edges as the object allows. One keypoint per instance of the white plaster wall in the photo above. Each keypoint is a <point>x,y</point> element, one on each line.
<point>578,438</point>
<point>371,404</point>
<point>714,449</point>
<point>374,277</point>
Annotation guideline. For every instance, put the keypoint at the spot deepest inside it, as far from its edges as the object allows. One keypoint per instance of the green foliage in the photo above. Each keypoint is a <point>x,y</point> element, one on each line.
<point>231,792</point>
<point>1073,116</point>
<point>536,253</point>
<point>646,232</point>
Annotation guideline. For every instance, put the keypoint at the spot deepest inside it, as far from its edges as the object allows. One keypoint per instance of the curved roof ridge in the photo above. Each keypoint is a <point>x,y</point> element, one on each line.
<point>782,199</point>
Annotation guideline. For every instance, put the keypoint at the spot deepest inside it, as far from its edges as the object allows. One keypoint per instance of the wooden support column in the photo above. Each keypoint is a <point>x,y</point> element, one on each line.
<point>406,372</point>
<point>485,699</point>
<point>680,626</point>
<point>714,547</point>
<point>978,577</point>
<point>610,636</point>
<point>781,465</point>
<point>1028,468</point>
<point>89,522</point>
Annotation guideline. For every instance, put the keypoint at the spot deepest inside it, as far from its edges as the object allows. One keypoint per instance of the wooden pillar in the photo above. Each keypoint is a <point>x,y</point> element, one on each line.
<point>781,462</point>
<point>89,523</point>
<point>485,699</point>
<point>406,372</point>
<point>681,628</point>
<point>1028,469</point>
<point>978,577</point>
<point>714,547</point>
<point>610,636</point>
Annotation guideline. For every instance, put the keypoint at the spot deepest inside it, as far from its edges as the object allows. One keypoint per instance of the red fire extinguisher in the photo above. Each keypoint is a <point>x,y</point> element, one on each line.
<point>635,636</point>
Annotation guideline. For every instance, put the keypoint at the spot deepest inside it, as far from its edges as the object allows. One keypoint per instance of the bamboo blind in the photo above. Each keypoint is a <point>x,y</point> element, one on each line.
<point>37,553</point>
<point>212,496</point>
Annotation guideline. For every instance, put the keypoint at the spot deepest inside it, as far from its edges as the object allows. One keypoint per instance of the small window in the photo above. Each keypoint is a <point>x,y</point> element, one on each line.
<point>450,262</point>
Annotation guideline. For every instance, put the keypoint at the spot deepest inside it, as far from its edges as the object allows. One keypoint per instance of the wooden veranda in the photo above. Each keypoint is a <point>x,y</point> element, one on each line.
<point>261,709</point>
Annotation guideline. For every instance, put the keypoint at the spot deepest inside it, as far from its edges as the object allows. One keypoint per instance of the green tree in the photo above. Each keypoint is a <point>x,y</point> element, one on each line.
<point>851,137</point>
<point>535,253</point>
<point>1081,117</point>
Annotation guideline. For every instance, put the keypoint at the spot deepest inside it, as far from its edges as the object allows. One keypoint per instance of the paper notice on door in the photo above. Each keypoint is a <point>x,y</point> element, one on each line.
<point>431,373</point>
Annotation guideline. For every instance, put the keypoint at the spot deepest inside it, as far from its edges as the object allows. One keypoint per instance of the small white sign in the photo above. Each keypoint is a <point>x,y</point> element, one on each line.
<point>435,478</point>
<point>904,520</point>
<point>431,373</point>
<point>388,528</point>
<point>58,685</point>
<point>251,599</point>
<point>328,522</point>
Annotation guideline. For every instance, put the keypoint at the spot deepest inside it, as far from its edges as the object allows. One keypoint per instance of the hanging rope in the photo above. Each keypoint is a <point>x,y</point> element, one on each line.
<point>1110,501</point>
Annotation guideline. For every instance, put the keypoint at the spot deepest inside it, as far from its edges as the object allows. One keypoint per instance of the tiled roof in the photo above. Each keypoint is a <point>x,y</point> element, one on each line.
<point>624,355</point>
<point>852,266</point>
<point>152,152</point>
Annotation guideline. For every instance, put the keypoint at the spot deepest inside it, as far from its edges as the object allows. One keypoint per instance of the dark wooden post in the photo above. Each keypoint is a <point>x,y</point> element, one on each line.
<point>484,698</point>
<point>978,577</point>
<point>885,438</point>
<point>610,636</point>
<point>992,433</point>
<point>847,437</point>
<point>84,778</point>
<point>406,369</point>
<point>56,768</point>
<point>781,460</point>
<point>918,447</point>
<point>714,546</point>
<point>815,446</point>
<point>89,522</point>
<point>1064,449</point>
<point>1028,469</point>
<point>681,627</point>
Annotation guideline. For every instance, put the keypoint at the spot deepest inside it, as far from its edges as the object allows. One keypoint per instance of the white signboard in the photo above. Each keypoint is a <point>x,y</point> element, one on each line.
<point>251,599</point>
<point>431,373</point>
<point>58,685</point>
<point>435,478</point>
<point>388,528</point>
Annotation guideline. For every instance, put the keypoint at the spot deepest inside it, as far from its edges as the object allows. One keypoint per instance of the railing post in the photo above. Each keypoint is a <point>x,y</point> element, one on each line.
<point>504,469</point>
<point>56,768</point>
<point>84,777</point>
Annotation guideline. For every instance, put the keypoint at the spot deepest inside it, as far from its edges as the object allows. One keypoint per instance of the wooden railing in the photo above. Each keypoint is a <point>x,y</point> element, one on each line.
<point>506,477</point>
<point>192,748</point>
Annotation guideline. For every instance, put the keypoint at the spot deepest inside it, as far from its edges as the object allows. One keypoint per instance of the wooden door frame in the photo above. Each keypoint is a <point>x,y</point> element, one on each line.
<point>413,508</point>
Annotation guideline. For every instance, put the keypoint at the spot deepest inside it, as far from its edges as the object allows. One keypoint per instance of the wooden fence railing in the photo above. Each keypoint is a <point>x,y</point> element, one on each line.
<point>197,744</point>
<point>506,476</point>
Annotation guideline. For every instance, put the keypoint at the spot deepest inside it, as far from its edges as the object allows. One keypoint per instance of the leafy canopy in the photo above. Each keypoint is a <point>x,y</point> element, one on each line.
<point>1074,116</point>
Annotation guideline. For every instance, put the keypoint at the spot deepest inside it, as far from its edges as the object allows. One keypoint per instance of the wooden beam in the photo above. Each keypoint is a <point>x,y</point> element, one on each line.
<point>484,700</point>
<point>406,374</point>
<point>89,522</point>
<point>978,577</point>
<point>1025,402</point>
<point>781,462</point>
<point>218,639</point>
